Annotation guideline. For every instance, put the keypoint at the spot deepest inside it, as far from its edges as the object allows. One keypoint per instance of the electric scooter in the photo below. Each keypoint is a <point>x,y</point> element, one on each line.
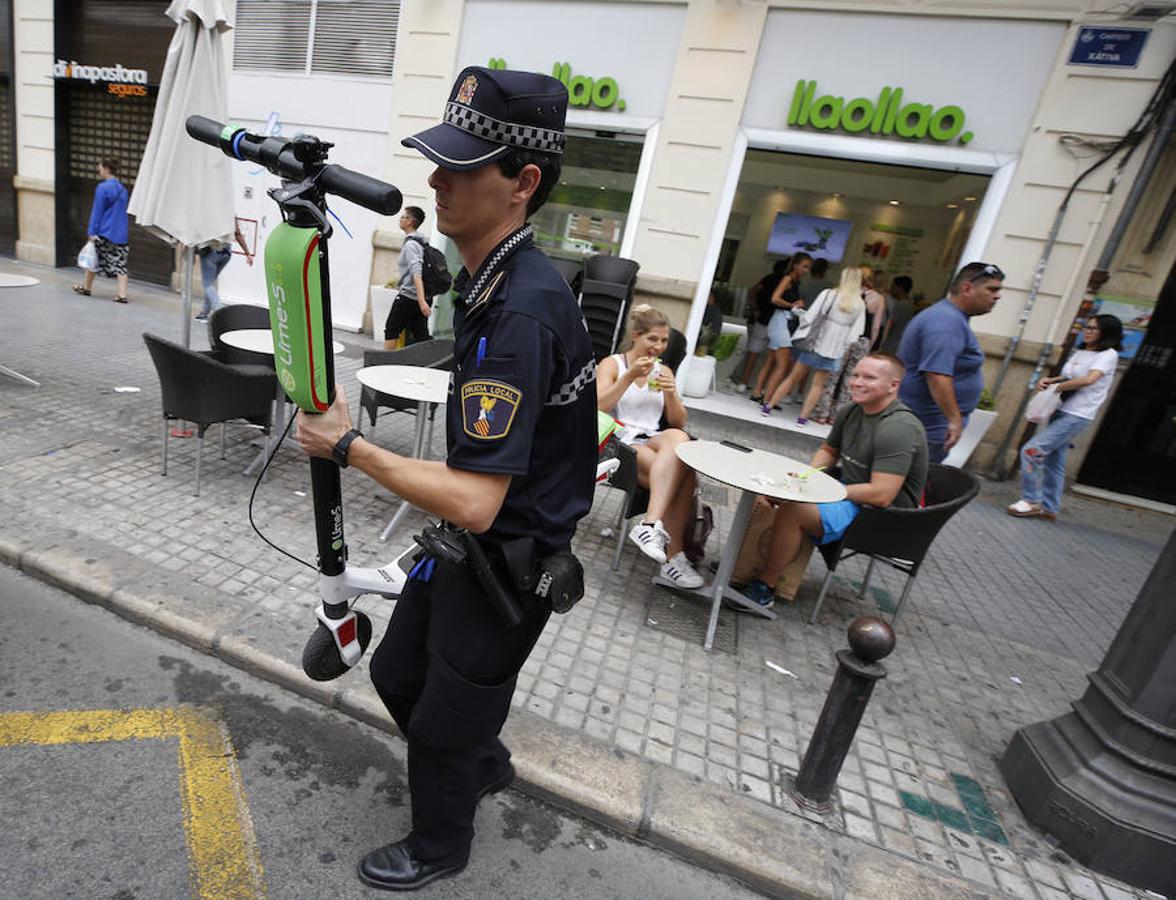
<point>297,272</point>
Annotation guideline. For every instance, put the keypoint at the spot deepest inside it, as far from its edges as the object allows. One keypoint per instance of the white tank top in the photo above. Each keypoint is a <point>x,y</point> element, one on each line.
<point>639,408</point>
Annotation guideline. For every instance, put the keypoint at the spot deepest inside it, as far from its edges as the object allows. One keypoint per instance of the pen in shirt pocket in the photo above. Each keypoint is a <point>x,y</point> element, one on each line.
<point>481,350</point>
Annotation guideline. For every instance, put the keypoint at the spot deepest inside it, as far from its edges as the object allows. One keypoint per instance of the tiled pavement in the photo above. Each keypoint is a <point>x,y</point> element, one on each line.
<point>1002,625</point>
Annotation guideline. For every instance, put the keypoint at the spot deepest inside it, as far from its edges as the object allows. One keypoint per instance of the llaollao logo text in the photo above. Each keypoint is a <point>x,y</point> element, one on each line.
<point>888,114</point>
<point>598,93</point>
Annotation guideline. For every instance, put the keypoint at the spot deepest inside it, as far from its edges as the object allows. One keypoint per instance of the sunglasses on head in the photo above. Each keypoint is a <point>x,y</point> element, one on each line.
<point>989,271</point>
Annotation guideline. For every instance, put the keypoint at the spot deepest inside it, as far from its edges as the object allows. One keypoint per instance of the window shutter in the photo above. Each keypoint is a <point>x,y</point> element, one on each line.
<point>355,37</point>
<point>271,34</point>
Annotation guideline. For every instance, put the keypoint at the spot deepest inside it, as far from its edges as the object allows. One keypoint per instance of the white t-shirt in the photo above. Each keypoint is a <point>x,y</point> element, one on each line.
<point>1085,402</point>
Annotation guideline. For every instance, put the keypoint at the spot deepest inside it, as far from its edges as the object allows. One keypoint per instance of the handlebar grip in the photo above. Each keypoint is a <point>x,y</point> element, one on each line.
<point>204,130</point>
<point>376,195</point>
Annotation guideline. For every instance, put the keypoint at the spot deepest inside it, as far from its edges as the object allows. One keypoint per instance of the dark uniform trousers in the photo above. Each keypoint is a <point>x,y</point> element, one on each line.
<point>406,314</point>
<point>446,670</point>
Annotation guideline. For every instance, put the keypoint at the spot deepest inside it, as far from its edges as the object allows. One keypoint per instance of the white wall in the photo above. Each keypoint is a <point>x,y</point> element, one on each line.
<point>33,38</point>
<point>633,43</point>
<point>994,69</point>
<point>352,114</point>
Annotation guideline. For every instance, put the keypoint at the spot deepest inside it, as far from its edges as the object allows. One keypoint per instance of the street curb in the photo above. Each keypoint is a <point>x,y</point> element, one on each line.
<point>778,854</point>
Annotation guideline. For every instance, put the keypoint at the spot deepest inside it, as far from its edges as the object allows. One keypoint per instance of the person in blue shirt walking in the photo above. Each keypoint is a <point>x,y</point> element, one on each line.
<point>109,229</point>
<point>943,359</point>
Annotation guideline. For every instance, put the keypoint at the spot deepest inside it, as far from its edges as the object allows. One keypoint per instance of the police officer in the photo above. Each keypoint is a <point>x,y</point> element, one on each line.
<point>520,428</point>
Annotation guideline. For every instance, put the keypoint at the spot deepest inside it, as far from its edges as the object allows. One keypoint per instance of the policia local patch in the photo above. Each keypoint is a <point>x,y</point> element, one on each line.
<point>488,408</point>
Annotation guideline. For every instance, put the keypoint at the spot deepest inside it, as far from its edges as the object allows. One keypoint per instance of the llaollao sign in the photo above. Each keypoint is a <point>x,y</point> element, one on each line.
<point>598,93</point>
<point>888,114</point>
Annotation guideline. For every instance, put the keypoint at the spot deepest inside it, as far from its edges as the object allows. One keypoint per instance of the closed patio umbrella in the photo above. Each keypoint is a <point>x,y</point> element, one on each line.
<point>184,190</point>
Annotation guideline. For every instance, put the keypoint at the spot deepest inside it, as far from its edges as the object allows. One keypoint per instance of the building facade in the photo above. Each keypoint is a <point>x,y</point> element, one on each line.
<point>709,138</point>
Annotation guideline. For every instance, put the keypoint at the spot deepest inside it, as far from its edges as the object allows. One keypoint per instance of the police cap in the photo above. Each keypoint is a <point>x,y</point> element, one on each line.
<point>492,111</point>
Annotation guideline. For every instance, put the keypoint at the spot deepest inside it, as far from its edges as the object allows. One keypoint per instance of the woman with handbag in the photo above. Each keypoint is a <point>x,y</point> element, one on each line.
<point>836,390</point>
<point>109,230</point>
<point>788,303</point>
<point>1085,380</point>
<point>834,321</point>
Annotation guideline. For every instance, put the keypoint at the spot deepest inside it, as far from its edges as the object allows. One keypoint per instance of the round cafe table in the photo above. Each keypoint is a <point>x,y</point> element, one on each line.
<point>419,383</point>
<point>261,340</point>
<point>754,472</point>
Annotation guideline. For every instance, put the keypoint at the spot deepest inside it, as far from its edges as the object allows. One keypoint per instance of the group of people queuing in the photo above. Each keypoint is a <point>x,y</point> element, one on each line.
<point>805,323</point>
<point>896,388</point>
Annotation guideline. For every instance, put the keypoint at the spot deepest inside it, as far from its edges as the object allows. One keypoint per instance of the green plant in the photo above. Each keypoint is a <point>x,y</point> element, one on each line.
<point>986,400</point>
<point>702,345</point>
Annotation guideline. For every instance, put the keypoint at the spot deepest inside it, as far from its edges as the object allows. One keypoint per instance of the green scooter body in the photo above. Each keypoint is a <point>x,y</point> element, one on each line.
<point>293,281</point>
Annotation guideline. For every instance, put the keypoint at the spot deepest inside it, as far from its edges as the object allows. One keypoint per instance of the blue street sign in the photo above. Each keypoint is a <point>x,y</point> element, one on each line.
<point>1101,46</point>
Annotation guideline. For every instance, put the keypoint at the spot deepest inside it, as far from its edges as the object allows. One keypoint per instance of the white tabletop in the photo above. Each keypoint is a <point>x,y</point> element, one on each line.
<point>418,383</point>
<point>760,472</point>
<point>259,340</point>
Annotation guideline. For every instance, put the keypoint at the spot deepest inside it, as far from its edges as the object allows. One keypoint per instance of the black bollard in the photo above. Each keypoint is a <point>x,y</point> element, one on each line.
<point>870,639</point>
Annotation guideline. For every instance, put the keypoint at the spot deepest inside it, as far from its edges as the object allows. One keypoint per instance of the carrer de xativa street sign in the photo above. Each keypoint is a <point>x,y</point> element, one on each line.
<point>1098,45</point>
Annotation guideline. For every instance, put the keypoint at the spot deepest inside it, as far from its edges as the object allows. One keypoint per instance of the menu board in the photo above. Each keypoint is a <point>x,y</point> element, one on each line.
<point>892,248</point>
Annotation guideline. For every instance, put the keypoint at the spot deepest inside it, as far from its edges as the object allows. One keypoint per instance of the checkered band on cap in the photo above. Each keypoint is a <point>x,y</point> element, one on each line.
<point>528,137</point>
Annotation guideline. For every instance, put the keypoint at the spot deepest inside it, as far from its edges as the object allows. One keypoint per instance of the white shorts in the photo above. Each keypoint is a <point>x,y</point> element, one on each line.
<point>757,338</point>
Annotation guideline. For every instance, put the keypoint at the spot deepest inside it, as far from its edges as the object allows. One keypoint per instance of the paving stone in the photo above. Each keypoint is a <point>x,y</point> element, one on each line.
<point>964,634</point>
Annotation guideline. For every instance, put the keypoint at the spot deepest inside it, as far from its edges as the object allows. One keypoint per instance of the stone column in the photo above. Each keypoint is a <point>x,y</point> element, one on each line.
<point>1102,779</point>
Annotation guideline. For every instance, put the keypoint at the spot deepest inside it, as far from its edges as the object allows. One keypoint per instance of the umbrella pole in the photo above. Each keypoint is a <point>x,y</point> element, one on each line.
<point>189,265</point>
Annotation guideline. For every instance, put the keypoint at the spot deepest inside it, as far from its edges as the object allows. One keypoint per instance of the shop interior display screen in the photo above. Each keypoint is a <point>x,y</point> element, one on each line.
<point>826,238</point>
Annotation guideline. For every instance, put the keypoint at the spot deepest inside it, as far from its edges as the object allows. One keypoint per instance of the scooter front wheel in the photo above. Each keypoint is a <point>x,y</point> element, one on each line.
<point>321,660</point>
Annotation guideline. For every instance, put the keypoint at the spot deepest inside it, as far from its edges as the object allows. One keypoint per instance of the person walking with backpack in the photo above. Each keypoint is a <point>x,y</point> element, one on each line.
<point>413,305</point>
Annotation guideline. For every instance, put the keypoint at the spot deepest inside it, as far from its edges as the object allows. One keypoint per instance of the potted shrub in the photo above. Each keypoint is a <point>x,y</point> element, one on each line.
<point>979,422</point>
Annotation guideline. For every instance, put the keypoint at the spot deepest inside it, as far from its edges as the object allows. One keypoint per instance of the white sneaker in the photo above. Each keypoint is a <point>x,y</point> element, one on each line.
<point>606,468</point>
<point>740,387</point>
<point>678,570</point>
<point>651,538</point>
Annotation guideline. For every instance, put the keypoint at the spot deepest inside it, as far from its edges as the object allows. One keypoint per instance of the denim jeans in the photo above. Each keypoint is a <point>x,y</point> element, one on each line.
<point>1043,460</point>
<point>211,264</point>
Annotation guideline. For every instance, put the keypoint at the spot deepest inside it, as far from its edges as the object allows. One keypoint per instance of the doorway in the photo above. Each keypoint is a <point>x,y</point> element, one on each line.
<point>899,220</point>
<point>1134,450</point>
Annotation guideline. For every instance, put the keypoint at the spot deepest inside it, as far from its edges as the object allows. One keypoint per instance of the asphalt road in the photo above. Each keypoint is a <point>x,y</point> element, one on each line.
<point>132,767</point>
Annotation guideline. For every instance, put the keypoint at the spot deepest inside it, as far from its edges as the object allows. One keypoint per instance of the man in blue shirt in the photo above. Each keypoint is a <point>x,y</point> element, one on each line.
<point>943,359</point>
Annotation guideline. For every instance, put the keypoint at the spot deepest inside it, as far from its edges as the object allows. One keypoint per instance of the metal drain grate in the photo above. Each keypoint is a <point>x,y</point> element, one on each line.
<point>687,619</point>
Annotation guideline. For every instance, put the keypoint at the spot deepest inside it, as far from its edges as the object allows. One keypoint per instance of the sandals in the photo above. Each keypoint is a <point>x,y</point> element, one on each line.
<point>120,299</point>
<point>78,289</point>
<point>1023,509</point>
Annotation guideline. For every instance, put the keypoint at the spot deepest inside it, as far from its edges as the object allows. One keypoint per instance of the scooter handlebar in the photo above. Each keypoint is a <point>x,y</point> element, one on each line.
<point>278,156</point>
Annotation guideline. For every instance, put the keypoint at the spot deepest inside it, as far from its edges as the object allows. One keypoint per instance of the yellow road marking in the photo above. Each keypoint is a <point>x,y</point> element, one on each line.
<point>223,858</point>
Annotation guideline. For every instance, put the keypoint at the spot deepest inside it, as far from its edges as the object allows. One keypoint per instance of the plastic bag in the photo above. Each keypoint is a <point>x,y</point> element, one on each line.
<point>88,257</point>
<point>1043,405</point>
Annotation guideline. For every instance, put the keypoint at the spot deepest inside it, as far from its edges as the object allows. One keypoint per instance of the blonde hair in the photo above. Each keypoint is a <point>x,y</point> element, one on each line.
<point>644,317</point>
<point>849,292</point>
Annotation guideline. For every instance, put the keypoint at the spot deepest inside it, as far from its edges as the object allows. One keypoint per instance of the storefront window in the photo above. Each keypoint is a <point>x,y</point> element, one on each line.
<point>588,210</point>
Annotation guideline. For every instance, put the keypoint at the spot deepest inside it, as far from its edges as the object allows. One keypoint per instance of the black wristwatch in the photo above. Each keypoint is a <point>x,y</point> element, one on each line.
<point>339,451</point>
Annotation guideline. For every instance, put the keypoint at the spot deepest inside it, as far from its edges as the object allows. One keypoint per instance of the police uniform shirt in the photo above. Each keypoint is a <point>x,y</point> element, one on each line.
<point>523,399</point>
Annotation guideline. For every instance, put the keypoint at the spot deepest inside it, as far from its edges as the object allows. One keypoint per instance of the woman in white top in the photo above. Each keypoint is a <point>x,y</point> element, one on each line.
<point>836,390</point>
<point>637,390</point>
<point>829,326</point>
<point>1086,379</point>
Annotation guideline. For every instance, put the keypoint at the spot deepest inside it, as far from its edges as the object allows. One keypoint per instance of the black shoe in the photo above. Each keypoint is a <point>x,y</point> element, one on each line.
<point>756,398</point>
<point>499,783</point>
<point>393,868</point>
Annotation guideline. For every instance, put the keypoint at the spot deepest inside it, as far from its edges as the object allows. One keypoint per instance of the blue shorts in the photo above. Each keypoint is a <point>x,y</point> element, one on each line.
<point>816,361</point>
<point>779,334</point>
<point>835,519</point>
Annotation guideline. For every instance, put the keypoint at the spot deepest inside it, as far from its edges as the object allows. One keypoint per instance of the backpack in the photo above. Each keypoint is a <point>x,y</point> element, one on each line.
<point>434,269</point>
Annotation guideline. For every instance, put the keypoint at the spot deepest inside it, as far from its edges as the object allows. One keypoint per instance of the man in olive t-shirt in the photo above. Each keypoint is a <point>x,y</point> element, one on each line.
<point>882,450</point>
